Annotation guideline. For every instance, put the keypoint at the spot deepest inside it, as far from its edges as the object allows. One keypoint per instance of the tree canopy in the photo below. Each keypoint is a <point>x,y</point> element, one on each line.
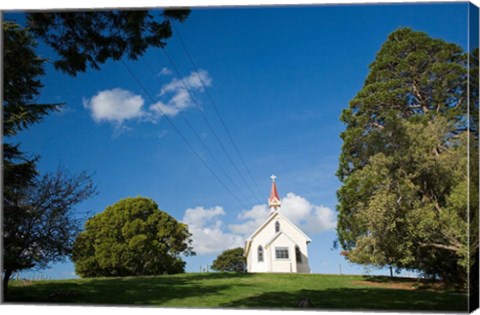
<point>230,260</point>
<point>403,164</point>
<point>84,39</point>
<point>131,238</point>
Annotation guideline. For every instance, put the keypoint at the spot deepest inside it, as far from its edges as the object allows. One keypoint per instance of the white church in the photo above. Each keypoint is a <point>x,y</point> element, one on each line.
<point>277,245</point>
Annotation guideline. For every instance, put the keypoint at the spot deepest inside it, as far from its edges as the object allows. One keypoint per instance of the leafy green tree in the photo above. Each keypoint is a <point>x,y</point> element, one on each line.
<point>131,238</point>
<point>91,38</point>
<point>230,260</point>
<point>39,225</point>
<point>403,165</point>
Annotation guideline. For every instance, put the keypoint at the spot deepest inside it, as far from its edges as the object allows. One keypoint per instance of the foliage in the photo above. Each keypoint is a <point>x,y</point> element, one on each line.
<point>131,238</point>
<point>23,69</point>
<point>91,38</point>
<point>38,222</point>
<point>246,291</point>
<point>474,172</point>
<point>37,210</point>
<point>230,260</point>
<point>403,163</point>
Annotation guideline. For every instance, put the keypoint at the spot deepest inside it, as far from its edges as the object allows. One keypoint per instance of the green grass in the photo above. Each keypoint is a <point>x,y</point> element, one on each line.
<point>255,291</point>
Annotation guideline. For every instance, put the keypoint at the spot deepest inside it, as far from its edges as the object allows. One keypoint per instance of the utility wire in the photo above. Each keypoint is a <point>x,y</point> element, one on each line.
<point>181,135</point>
<point>215,107</point>
<point>207,122</point>
<point>187,122</point>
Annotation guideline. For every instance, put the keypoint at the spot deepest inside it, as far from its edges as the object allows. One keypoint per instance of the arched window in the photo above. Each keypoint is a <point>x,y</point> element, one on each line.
<point>298,254</point>
<point>277,227</point>
<point>260,253</point>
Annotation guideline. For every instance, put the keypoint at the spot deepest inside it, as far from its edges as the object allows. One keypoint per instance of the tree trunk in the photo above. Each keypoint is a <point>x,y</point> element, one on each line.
<point>6,278</point>
<point>391,271</point>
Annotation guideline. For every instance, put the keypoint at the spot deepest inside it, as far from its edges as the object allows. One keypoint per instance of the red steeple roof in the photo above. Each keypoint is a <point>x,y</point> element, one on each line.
<point>274,200</point>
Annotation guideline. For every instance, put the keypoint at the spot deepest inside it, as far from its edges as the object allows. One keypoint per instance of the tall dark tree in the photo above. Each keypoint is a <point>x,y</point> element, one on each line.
<point>230,260</point>
<point>90,38</point>
<point>131,238</point>
<point>22,69</point>
<point>403,165</point>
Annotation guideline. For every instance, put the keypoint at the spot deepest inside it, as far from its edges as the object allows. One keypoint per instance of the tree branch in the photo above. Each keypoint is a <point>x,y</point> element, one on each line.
<point>441,246</point>
<point>375,124</point>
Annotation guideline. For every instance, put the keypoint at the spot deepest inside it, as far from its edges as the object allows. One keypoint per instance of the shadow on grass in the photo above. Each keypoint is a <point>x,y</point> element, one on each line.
<point>121,291</point>
<point>231,290</point>
<point>356,299</point>
<point>386,279</point>
<point>420,284</point>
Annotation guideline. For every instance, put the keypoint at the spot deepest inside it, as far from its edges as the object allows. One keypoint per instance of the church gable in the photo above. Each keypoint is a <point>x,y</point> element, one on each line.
<point>278,223</point>
<point>274,225</point>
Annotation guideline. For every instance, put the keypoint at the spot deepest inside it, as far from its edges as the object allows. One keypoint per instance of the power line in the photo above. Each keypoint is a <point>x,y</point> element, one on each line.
<point>187,122</point>
<point>207,122</point>
<point>181,135</point>
<point>215,107</point>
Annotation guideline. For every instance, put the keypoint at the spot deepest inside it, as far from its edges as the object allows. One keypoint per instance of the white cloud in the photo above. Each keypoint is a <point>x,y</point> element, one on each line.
<point>210,235</point>
<point>193,81</point>
<point>178,93</point>
<point>165,71</point>
<point>207,233</point>
<point>116,105</point>
<point>254,218</point>
<point>160,108</point>
<point>309,217</point>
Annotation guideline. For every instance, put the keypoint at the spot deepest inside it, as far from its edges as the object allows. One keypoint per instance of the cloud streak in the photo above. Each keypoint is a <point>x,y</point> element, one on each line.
<point>179,93</point>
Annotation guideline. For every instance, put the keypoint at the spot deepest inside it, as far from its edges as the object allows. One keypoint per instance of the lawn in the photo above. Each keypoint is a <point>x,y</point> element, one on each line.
<point>254,291</point>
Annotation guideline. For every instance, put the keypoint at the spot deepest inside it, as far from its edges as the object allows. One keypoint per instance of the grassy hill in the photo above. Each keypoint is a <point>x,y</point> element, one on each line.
<point>255,291</point>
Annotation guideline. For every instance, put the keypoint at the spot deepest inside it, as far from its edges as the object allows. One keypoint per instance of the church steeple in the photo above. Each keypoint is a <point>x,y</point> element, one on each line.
<point>274,200</point>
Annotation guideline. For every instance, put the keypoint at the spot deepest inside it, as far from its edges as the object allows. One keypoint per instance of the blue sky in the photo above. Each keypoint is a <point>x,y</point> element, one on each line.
<point>279,77</point>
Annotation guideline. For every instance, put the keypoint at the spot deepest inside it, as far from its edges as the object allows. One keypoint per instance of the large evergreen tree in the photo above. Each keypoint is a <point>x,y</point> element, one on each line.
<point>403,165</point>
<point>38,227</point>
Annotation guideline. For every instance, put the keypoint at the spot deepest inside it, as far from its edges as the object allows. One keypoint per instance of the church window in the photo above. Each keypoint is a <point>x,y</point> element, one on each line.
<point>281,252</point>
<point>298,254</point>
<point>277,227</point>
<point>260,253</point>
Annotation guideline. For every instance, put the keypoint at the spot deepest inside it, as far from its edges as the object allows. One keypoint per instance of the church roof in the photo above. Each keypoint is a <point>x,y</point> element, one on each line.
<point>277,214</point>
